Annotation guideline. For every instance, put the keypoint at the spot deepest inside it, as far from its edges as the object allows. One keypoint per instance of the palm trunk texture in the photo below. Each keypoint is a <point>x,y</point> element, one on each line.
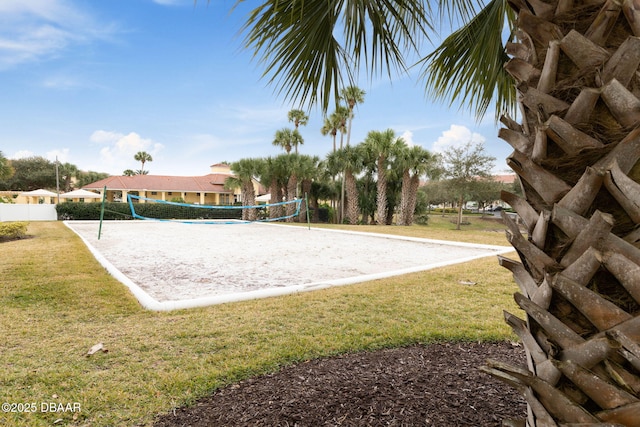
<point>353,207</point>
<point>576,151</point>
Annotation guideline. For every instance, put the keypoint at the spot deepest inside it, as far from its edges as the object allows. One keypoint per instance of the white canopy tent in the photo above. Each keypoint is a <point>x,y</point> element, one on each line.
<point>35,196</point>
<point>81,194</point>
<point>39,193</point>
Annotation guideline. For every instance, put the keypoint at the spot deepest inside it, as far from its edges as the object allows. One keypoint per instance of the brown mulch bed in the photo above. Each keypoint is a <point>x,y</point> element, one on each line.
<point>431,385</point>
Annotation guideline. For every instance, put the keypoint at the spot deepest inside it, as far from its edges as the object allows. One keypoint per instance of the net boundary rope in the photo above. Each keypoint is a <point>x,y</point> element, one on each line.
<point>131,197</point>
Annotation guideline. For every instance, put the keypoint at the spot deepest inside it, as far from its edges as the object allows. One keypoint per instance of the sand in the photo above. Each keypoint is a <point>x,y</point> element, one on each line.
<point>175,265</point>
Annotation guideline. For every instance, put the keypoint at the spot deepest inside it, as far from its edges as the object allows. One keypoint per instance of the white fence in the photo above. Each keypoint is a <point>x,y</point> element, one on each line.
<point>19,212</point>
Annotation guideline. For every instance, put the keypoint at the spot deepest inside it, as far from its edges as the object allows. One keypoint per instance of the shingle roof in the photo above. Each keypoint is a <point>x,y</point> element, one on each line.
<point>212,183</point>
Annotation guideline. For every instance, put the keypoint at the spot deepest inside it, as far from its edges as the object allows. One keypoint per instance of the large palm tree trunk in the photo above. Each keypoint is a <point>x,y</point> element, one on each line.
<point>576,150</point>
<point>353,207</point>
<point>414,185</point>
<point>405,197</point>
<point>381,196</point>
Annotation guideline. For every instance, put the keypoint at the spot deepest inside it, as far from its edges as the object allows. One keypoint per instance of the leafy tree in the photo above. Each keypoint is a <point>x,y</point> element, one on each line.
<point>31,173</point>
<point>129,172</point>
<point>142,157</point>
<point>88,177</point>
<point>6,170</point>
<point>466,167</point>
<point>486,192</point>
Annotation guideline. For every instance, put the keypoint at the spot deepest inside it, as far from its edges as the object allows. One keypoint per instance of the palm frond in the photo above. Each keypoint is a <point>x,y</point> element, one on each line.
<point>312,48</point>
<point>468,66</point>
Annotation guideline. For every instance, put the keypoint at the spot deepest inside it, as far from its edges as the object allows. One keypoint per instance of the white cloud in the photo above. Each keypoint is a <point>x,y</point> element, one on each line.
<point>62,155</point>
<point>456,136</point>
<point>35,29</point>
<point>175,2</point>
<point>119,149</point>
<point>22,154</point>
<point>407,136</point>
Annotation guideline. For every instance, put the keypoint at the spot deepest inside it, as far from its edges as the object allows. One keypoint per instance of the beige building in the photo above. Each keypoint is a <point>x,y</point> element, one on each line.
<point>205,190</point>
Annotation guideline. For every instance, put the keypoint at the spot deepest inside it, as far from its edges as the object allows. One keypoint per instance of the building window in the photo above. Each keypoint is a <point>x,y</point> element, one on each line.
<point>170,193</point>
<point>154,193</point>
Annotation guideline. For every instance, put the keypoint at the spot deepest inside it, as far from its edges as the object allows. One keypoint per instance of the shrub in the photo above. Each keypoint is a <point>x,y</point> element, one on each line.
<point>422,219</point>
<point>12,230</point>
<point>116,210</point>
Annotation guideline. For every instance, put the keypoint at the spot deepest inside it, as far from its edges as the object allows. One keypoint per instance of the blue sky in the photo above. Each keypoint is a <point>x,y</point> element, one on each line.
<point>93,82</point>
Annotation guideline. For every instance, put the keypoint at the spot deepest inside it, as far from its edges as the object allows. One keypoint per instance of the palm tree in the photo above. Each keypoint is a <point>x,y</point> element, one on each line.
<point>308,172</point>
<point>574,68</point>
<point>350,161</point>
<point>273,176</point>
<point>330,128</point>
<point>352,95</point>
<point>298,117</point>
<point>287,139</point>
<point>336,122</point>
<point>414,162</point>
<point>143,157</point>
<point>129,172</point>
<point>292,166</point>
<point>245,171</point>
<point>341,116</point>
<point>67,172</point>
<point>381,145</point>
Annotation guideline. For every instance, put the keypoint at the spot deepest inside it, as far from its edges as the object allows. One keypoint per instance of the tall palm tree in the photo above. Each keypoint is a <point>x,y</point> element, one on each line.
<point>335,123</point>
<point>143,157</point>
<point>244,173</point>
<point>287,139</point>
<point>341,115</point>
<point>414,163</point>
<point>574,67</point>
<point>576,72</point>
<point>308,172</point>
<point>298,117</point>
<point>273,176</point>
<point>381,145</point>
<point>349,160</point>
<point>330,128</point>
<point>294,165</point>
<point>352,95</point>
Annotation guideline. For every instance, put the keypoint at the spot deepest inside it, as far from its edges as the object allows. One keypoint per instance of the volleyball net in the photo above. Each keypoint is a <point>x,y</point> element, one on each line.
<point>162,210</point>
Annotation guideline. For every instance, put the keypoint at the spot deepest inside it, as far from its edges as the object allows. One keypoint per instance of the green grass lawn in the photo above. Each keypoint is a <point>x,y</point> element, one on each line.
<point>57,302</point>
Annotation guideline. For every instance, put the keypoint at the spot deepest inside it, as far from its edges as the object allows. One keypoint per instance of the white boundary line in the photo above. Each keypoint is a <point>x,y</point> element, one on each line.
<point>150,303</point>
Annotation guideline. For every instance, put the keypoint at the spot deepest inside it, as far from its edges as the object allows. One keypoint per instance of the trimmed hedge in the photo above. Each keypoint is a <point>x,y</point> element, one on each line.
<point>121,211</point>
